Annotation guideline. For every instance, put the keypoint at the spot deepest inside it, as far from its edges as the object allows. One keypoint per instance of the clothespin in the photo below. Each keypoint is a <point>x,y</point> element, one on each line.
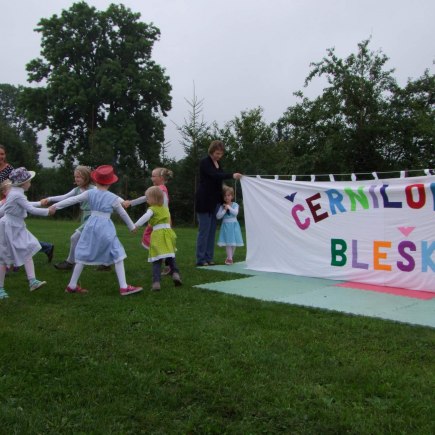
<point>375,175</point>
<point>331,177</point>
<point>402,174</point>
<point>293,177</point>
<point>276,177</point>
<point>353,177</point>
<point>313,178</point>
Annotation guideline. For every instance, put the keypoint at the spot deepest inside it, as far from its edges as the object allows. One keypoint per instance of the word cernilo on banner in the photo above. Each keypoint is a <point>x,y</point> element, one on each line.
<point>378,232</point>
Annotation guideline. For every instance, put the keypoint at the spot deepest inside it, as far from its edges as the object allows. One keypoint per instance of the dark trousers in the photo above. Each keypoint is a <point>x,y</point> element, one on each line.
<point>45,247</point>
<point>157,266</point>
<point>206,237</point>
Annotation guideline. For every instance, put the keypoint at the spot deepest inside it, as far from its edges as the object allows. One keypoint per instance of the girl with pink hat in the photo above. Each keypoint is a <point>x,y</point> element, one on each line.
<point>98,243</point>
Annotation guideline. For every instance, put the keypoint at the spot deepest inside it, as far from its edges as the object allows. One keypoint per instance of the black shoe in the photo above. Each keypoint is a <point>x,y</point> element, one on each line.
<point>103,268</point>
<point>64,265</point>
<point>50,254</point>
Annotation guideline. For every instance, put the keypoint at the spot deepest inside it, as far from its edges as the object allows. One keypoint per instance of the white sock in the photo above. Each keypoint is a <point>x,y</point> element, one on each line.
<point>120,273</point>
<point>29,267</point>
<point>78,269</point>
<point>2,275</point>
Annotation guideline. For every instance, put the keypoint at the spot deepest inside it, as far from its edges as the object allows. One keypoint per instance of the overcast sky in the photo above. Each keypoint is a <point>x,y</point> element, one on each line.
<point>241,54</point>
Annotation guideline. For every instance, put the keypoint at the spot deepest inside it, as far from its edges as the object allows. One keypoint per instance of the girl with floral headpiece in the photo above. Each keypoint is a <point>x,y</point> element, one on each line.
<point>17,244</point>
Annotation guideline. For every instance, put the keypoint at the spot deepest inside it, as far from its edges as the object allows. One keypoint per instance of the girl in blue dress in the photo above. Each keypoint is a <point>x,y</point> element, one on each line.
<point>230,234</point>
<point>98,243</point>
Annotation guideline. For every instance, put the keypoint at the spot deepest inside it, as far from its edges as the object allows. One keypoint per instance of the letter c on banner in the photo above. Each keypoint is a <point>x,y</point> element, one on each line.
<point>302,225</point>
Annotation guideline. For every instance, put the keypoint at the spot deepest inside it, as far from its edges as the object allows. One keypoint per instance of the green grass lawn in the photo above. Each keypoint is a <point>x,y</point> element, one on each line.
<point>188,361</point>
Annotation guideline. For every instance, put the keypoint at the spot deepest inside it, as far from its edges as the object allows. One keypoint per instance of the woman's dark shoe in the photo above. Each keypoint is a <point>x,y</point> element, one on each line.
<point>64,265</point>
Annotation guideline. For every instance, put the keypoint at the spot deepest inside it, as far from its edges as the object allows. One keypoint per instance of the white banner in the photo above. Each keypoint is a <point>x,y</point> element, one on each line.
<point>377,232</point>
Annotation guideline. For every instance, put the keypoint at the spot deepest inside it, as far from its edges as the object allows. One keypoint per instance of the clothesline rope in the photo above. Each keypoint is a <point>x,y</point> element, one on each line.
<point>353,176</point>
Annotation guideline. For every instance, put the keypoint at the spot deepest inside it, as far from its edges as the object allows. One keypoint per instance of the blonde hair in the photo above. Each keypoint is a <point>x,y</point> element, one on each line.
<point>154,195</point>
<point>165,173</point>
<point>4,185</point>
<point>85,172</point>
<point>227,189</point>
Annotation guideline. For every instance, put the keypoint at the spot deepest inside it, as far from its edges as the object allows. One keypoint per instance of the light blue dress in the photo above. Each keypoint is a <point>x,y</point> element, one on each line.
<point>99,243</point>
<point>230,233</point>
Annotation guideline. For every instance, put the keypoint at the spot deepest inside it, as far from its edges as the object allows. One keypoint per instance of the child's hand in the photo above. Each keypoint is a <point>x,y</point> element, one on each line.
<point>44,202</point>
<point>51,210</point>
<point>134,230</point>
<point>126,203</point>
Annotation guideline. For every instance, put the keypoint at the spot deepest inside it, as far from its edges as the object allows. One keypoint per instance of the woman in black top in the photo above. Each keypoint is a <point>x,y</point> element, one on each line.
<point>208,200</point>
<point>5,167</point>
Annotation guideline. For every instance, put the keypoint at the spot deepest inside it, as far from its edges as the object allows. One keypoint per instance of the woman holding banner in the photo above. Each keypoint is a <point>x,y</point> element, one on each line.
<point>208,200</point>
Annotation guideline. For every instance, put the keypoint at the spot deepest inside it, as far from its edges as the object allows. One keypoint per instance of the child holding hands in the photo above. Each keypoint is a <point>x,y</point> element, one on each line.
<point>98,243</point>
<point>82,179</point>
<point>17,244</point>
<point>230,234</point>
<point>159,177</point>
<point>162,240</point>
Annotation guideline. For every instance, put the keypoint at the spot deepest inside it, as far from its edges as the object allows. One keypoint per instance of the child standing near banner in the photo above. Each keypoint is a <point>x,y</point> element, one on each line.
<point>230,234</point>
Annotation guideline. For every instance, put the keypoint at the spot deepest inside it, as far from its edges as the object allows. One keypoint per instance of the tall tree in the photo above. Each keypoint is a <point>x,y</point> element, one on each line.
<point>16,132</point>
<point>250,143</point>
<point>345,128</point>
<point>195,137</point>
<point>101,95</point>
<point>412,124</point>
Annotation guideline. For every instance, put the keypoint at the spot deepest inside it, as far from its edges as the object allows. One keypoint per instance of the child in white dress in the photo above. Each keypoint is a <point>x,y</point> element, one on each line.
<point>17,244</point>
<point>98,243</point>
<point>162,241</point>
<point>46,248</point>
<point>230,234</point>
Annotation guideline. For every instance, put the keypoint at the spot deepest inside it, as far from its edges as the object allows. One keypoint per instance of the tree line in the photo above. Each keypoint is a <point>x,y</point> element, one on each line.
<point>104,101</point>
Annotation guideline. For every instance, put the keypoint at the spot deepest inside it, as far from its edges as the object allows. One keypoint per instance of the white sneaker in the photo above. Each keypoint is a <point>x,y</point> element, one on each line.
<point>35,284</point>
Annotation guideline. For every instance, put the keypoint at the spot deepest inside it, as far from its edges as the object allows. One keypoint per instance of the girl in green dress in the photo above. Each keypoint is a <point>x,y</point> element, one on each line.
<point>162,242</point>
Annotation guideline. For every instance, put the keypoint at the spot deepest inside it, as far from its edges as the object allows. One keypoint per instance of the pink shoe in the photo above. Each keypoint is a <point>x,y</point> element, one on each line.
<point>228,261</point>
<point>78,289</point>
<point>129,290</point>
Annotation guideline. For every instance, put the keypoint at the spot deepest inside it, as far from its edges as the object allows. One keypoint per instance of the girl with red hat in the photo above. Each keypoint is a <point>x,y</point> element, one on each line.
<point>98,243</point>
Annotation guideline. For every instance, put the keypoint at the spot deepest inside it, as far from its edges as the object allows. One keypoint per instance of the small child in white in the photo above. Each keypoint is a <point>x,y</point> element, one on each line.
<point>17,244</point>
<point>162,241</point>
<point>230,234</point>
